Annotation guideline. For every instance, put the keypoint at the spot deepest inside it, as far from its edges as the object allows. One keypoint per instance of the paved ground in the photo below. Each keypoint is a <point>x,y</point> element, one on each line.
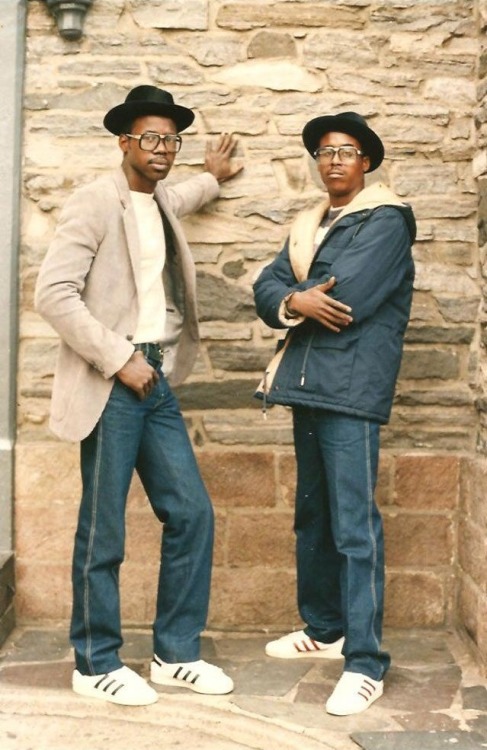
<point>435,698</point>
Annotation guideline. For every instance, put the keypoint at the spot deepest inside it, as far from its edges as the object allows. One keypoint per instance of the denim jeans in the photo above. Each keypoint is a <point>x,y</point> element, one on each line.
<point>339,536</point>
<point>151,437</point>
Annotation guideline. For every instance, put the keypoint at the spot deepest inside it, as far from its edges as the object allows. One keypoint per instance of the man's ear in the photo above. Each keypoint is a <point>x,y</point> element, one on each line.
<point>123,142</point>
<point>366,163</point>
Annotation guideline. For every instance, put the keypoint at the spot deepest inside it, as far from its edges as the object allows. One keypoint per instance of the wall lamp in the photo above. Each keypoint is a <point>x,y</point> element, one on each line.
<point>70,16</point>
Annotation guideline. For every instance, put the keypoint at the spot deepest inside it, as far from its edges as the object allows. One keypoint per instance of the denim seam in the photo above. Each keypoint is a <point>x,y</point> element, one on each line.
<point>370,501</point>
<point>89,553</point>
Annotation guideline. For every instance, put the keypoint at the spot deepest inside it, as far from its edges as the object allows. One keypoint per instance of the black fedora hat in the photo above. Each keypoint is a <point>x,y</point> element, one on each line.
<point>345,122</point>
<point>147,100</point>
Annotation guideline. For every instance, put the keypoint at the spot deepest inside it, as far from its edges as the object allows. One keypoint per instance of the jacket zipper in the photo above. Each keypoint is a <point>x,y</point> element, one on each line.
<point>365,214</point>
<point>318,250</point>
<point>305,360</point>
<point>264,398</point>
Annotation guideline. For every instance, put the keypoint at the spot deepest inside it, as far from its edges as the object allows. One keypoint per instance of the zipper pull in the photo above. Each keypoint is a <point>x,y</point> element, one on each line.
<point>264,401</point>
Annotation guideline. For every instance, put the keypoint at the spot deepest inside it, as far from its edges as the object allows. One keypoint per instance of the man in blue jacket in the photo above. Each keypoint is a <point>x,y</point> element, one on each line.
<point>342,285</point>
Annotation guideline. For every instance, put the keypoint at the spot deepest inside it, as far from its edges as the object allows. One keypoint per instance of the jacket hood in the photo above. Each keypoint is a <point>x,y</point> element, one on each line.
<point>303,229</point>
<point>377,195</point>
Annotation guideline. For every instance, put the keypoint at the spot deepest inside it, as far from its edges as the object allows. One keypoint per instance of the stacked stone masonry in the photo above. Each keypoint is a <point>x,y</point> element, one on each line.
<point>261,70</point>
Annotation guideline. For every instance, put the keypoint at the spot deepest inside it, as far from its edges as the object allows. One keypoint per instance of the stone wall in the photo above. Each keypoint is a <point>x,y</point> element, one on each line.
<point>262,70</point>
<point>472,537</point>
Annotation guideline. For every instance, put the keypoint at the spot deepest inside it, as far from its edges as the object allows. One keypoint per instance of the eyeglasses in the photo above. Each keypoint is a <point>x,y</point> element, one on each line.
<point>346,154</point>
<point>150,141</point>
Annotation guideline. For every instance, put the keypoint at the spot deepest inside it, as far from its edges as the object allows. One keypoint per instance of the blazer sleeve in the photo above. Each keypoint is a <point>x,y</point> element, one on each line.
<point>190,195</point>
<point>62,279</point>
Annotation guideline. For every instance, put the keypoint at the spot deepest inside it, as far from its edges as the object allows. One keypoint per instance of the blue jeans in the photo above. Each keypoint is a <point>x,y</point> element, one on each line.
<point>339,536</point>
<point>151,437</point>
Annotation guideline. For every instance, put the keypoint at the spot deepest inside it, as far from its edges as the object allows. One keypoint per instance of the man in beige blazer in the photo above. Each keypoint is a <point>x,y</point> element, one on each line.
<point>118,286</point>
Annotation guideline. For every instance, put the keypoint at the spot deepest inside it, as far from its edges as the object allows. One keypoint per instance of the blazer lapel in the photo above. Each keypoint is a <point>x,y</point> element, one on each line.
<point>130,225</point>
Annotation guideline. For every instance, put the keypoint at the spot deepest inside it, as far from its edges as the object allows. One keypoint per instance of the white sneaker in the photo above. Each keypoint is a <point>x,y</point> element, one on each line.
<point>195,675</point>
<point>354,692</point>
<point>299,645</point>
<point>122,686</point>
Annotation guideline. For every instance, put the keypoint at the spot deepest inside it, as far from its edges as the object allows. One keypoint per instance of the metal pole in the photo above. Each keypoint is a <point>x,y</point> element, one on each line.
<point>12,36</point>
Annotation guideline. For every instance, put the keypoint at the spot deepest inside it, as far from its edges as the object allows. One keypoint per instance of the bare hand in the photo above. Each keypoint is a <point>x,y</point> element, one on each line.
<point>138,375</point>
<point>315,303</point>
<point>217,158</point>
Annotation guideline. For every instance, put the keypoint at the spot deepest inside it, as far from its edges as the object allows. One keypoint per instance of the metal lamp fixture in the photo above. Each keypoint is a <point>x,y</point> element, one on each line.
<point>70,16</point>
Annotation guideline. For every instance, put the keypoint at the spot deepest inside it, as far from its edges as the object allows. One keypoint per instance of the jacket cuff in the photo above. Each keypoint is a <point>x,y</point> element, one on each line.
<point>287,319</point>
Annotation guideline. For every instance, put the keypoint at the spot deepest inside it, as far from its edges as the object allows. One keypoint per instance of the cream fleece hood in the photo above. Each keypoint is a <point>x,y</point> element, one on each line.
<point>304,227</point>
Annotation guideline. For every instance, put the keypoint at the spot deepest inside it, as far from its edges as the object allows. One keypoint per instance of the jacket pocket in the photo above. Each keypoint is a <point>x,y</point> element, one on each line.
<point>320,366</point>
<point>376,366</point>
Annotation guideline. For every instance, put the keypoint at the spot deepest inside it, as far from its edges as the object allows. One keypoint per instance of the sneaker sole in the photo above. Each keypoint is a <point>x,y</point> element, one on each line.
<point>87,692</point>
<point>333,652</point>
<point>174,682</point>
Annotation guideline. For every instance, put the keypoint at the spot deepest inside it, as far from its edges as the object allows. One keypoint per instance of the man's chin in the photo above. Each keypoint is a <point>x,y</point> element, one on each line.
<point>159,171</point>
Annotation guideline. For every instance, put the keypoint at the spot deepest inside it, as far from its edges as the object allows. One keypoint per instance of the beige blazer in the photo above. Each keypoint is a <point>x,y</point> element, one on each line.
<point>88,290</point>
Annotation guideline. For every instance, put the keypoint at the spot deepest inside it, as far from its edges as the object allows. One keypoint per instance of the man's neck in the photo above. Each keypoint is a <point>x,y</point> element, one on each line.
<point>137,182</point>
<point>339,201</point>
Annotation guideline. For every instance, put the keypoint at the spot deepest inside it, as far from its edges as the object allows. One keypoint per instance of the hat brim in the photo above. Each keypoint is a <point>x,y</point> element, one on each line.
<point>117,118</point>
<point>370,141</point>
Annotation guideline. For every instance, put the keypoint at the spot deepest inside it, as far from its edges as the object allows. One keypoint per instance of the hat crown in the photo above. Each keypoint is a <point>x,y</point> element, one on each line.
<point>147,94</point>
<point>353,117</point>
<point>147,100</point>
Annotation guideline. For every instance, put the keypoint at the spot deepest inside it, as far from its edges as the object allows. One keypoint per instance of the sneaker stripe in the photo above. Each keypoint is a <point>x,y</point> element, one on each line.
<point>199,676</point>
<point>308,645</point>
<point>100,685</point>
<point>122,686</point>
<point>366,690</point>
<point>107,687</point>
<point>187,677</point>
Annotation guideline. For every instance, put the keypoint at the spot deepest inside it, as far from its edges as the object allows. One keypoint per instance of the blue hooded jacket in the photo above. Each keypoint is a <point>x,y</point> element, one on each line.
<point>368,250</point>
